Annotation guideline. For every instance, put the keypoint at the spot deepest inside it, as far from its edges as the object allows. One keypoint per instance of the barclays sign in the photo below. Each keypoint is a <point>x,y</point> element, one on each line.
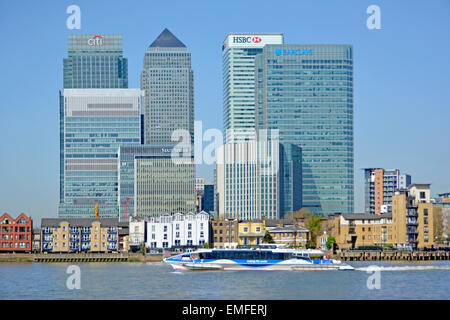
<point>293,52</point>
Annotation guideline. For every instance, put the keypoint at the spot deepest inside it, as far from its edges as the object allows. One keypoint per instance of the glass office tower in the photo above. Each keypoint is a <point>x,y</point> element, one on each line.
<point>168,81</point>
<point>154,181</point>
<point>93,61</point>
<point>96,123</point>
<point>306,91</point>
<point>238,63</point>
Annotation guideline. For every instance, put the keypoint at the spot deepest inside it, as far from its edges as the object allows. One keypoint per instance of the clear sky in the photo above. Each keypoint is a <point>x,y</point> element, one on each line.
<point>401,78</point>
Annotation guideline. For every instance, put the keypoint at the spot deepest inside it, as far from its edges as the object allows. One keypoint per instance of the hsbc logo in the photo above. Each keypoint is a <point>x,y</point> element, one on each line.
<point>247,40</point>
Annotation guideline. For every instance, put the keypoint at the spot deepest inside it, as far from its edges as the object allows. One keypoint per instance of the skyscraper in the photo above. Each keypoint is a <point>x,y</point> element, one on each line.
<point>379,188</point>
<point>96,122</point>
<point>238,59</point>
<point>306,91</point>
<point>93,61</point>
<point>168,81</point>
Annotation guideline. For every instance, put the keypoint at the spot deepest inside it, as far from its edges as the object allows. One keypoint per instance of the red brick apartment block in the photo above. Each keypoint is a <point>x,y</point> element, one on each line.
<point>16,234</point>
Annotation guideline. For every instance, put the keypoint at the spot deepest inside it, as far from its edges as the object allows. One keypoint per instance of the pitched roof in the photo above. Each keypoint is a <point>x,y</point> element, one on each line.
<point>167,40</point>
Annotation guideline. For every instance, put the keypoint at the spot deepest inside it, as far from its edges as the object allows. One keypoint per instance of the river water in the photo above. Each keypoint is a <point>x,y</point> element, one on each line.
<point>395,280</point>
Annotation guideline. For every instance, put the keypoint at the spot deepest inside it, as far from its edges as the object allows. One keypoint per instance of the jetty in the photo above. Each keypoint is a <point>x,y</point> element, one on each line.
<point>359,255</point>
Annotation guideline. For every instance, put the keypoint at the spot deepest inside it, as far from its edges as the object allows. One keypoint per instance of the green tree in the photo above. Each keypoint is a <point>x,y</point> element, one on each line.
<point>331,240</point>
<point>313,224</point>
<point>268,238</point>
<point>207,246</point>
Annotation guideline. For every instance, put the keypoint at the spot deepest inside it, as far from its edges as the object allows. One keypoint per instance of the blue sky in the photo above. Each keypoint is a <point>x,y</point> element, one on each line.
<point>401,78</point>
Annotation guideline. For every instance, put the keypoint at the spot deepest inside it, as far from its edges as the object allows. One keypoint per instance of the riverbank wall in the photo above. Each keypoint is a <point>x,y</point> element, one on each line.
<point>357,255</point>
<point>78,257</point>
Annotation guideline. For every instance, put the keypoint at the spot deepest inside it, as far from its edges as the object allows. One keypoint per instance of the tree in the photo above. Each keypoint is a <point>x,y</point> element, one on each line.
<point>313,224</point>
<point>268,238</point>
<point>331,240</point>
<point>207,246</point>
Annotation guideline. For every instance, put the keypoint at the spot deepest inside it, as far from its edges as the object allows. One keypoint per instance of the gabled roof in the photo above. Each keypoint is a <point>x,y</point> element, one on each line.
<point>167,40</point>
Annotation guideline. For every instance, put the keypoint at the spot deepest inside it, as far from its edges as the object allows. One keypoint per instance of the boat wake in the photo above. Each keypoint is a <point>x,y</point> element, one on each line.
<point>402,268</point>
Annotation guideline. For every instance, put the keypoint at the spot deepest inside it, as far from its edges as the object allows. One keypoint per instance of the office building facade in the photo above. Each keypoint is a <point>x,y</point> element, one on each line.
<point>249,180</point>
<point>168,81</point>
<point>306,92</point>
<point>379,187</point>
<point>156,180</point>
<point>96,123</point>
<point>94,61</point>
<point>238,62</point>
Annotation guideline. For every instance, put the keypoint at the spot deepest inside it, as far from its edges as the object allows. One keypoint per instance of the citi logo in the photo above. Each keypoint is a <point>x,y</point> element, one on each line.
<point>256,39</point>
<point>294,52</point>
<point>96,40</point>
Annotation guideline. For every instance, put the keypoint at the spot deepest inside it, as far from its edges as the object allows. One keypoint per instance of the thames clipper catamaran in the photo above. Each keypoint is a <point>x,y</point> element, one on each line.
<point>260,258</point>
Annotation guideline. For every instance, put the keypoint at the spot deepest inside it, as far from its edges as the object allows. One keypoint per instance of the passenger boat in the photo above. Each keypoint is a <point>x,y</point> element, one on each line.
<point>261,258</point>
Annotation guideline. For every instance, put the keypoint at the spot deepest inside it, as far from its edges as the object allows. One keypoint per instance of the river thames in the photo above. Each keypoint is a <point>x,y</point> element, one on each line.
<point>397,280</point>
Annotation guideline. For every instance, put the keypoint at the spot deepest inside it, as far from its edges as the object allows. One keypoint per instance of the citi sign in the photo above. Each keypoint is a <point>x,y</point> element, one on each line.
<point>293,52</point>
<point>247,39</point>
<point>95,41</point>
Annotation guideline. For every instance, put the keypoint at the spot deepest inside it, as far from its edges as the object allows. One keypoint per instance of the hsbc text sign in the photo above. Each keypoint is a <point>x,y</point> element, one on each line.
<point>252,40</point>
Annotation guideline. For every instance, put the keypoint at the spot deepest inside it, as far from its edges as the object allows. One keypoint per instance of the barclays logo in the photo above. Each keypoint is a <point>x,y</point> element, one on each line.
<point>293,52</point>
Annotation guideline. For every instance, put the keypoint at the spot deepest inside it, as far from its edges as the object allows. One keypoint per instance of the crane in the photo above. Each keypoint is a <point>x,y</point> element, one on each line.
<point>96,211</point>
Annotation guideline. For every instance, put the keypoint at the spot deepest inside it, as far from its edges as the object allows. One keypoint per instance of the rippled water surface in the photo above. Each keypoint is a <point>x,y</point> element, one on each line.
<point>421,280</point>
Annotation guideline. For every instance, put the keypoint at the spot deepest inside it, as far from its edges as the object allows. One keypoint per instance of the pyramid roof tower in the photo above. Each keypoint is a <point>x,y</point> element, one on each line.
<point>167,40</point>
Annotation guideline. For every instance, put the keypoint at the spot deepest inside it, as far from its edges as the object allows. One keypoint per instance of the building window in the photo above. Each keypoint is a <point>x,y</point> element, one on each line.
<point>258,229</point>
<point>165,228</point>
<point>425,212</point>
<point>425,220</point>
<point>422,195</point>
<point>245,229</point>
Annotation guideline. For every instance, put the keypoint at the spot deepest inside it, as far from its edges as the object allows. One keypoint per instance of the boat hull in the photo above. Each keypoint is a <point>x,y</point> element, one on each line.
<point>239,266</point>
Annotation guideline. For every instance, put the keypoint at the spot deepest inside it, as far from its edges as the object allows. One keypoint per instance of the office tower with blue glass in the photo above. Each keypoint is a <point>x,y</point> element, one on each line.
<point>238,63</point>
<point>155,180</point>
<point>168,81</point>
<point>306,91</point>
<point>96,122</point>
<point>94,61</point>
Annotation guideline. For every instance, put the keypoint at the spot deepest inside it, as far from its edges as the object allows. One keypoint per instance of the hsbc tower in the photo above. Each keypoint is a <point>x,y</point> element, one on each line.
<point>238,57</point>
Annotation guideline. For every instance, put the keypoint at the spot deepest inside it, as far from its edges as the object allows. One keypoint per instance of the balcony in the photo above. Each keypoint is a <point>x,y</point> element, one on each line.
<point>74,239</point>
<point>86,231</point>
<point>112,247</point>
<point>411,213</point>
<point>112,239</point>
<point>46,230</point>
<point>411,222</point>
<point>47,239</point>
<point>411,231</point>
<point>85,247</point>
<point>74,231</point>
<point>112,230</point>
<point>74,248</point>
